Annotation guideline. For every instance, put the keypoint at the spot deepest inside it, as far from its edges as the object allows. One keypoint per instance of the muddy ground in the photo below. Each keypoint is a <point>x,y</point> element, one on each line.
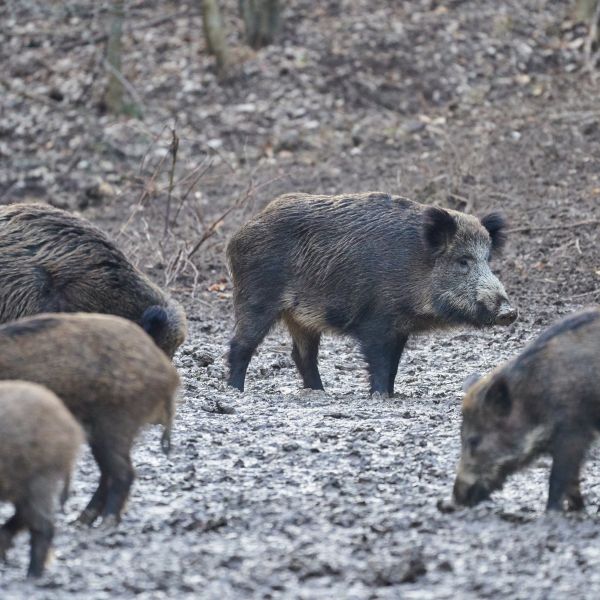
<point>298,494</point>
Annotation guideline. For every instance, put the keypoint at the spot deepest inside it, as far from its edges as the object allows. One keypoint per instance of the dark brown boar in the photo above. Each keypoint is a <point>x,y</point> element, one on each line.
<point>53,261</point>
<point>39,441</point>
<point>109,374</point>
<point>372,266</point>
<point>546,400</point>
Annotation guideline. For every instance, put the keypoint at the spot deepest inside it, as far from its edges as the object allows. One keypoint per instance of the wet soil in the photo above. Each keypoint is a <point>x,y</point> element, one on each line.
<point>280,492</point>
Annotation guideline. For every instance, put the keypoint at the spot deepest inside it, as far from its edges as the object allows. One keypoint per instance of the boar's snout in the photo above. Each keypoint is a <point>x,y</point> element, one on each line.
<point>469,493</point>
<point>506,314</point>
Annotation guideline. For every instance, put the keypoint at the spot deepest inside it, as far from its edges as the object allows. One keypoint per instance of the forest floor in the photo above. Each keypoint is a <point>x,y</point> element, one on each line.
<point>299,494</point>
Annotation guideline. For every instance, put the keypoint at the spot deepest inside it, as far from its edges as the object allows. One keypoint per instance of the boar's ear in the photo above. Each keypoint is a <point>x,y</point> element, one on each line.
<point>439,227</point>
<point>470,381</point>
<point>497,397</point>
<point>495,224</point>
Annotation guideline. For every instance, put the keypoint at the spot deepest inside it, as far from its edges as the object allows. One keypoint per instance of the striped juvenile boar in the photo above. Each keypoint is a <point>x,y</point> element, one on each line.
<point>109,374</point>
<point>372,266</point>
<point>39,441</point>
<point>546,400</point>
<point>53,261</point>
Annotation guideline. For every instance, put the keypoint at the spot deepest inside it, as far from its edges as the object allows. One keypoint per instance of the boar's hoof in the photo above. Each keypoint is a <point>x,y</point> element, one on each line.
<point>86,518</point>
<point>446,505</point>
<point>110,522</point>
<point>575,502</point>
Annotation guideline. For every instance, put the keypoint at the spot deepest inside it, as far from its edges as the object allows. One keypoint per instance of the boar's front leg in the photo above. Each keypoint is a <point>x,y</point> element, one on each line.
<point>305,353</point>
<point>568,451</point>
<point>380,347</point>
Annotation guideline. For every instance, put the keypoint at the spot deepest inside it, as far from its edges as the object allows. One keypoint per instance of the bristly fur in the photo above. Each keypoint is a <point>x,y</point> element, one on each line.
<point>111,376</point>
<point>53,261</point>
<point>372,266</point>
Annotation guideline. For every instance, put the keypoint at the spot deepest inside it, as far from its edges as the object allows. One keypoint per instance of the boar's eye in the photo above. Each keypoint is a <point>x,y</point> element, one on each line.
<point>473,442</point>
<point>464,263</point>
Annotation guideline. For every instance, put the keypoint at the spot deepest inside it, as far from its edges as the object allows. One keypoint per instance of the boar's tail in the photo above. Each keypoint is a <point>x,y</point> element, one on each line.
<point>155,322</point>
<point>64,494</point>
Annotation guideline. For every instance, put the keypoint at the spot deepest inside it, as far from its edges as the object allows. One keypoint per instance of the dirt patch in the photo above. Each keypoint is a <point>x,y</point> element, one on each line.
<point>280,492</point>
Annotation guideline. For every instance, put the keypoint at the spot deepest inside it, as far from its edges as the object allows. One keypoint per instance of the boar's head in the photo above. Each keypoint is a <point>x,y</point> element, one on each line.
<point>463,288</point>
<point>498,437</point>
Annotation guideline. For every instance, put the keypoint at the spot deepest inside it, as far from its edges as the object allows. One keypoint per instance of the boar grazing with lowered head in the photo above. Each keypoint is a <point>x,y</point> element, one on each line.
<point>39,442</point>
<point>373,266</point>
<point>110,375</point>
<point>546,400</point>
<point>53,261</point>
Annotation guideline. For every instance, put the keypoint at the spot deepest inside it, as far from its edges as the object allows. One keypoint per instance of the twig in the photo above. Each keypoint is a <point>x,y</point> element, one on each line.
<point>590,293</point>
<point>192,185</point>
<point>592,37</point>
<point>102,37</point>
<point>29,96</point>
<point>130,89</point>
<point>210,230</point>
<point>173,151</point>
<point>241,201</point>
<point>527,229</point>
<point>145,193</point>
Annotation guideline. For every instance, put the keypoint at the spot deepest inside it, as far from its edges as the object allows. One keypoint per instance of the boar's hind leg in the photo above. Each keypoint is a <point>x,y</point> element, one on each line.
<point>568,452</point>
<point>395,361</point>
<point>36,513</point>
<point>305,353</point>
<point>250,331</point>
<point>574,498</point>
<point>116,477</point>
<point>9,530</point>
<point>121,476</point>
<point>91,512</point>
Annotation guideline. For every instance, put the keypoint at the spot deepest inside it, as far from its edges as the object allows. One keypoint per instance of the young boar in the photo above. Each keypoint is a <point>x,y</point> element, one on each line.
<point>372,266</point>
<point>546,400</point>
<point>53,261</point>
<point>109,374</point>
<point>39,441</point>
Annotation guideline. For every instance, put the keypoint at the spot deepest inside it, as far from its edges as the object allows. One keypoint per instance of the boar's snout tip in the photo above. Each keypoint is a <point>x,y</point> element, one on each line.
<point>469,494</point>
<point>506,314</point>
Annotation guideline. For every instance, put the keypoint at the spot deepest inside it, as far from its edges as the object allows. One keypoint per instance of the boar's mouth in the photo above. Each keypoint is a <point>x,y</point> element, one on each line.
<point>481,316</point>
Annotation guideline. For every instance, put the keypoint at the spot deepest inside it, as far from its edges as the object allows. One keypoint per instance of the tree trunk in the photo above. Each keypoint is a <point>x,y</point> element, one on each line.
<point>214,34</point>
<point>113,96</point>
<point>585,10</point>
<point>261,20</point>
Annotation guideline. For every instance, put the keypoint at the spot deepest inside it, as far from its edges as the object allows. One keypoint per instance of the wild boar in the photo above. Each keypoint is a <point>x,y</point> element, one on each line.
<point>373,266</point>
<point>39,442</point>
<point>53,261</point>
<point>546,400</point>
<point>110,375</point>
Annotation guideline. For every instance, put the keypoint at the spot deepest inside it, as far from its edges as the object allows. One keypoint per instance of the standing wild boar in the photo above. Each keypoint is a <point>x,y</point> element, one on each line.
<point>52,261</point>
<point>39,441</point>
<point>109,374</point>
<point>372,266</point>
<point>546,400</point>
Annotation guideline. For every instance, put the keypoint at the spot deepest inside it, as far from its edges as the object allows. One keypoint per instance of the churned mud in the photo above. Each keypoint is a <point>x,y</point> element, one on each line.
<point>279,492</point>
